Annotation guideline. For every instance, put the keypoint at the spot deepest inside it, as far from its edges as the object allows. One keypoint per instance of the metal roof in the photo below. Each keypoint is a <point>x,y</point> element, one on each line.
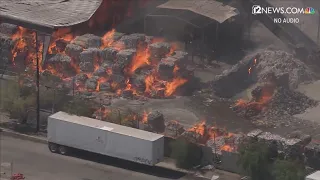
<point>111,127</point>
<point>47,14</point>
<point>208,8</point>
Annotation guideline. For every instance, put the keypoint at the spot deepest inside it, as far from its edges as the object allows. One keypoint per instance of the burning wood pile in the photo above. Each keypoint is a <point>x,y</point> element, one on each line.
<point>127,65</point>
<point>215,138</point>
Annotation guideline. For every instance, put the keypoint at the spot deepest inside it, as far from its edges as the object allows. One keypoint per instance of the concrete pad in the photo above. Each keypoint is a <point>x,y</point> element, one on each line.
<point>172,109</point>
<point>185,117</point>
<point>311,90</point>
<point>312,114</point>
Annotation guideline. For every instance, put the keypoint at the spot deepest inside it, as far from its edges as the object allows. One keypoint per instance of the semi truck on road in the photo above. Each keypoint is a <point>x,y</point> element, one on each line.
<point>66,131</point>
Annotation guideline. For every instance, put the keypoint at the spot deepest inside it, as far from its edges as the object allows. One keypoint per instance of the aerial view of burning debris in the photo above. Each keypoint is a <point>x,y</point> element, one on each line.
<point>167,70</point>
<point>136,66</point>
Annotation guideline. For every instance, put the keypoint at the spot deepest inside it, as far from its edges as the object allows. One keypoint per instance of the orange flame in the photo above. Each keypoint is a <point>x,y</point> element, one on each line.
<point>254,64</point>
<point>199,128</point>
<point>107,39</point>
<point>103,113</point>
<point>100,80</point>
<point>20,45</point>
<point>149,80</point>
<point>172,86</point>
<point>61,34</point>
<point>258,103</point>
<point>241,102</point>
<point>144,118</point>
<point>176,69</point>
<point>141,59</point>
<point>227,148</point>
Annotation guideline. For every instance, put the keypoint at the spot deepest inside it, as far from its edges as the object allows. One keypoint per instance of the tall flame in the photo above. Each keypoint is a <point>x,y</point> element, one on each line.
<point>199,128</point>
<point>141,59</point>
<point>172,86</point>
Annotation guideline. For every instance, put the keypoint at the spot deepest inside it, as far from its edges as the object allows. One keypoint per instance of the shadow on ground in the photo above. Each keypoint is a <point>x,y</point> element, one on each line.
<point>132,166</point>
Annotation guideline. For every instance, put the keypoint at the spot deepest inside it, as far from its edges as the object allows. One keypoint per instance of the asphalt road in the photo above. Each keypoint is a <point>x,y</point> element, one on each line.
<point>36,162</point>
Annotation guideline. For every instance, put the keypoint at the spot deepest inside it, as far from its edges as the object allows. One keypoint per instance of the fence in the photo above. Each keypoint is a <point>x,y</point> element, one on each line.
<point>6,72</point>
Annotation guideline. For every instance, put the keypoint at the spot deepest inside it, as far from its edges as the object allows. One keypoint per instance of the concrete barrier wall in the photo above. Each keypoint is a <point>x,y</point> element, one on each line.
<point>229,162</point>
<point>228,159</point>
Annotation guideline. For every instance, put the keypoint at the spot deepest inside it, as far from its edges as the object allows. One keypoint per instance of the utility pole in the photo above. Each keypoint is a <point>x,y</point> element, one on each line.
<point>37,82</point>
<point>73,81</point>
<point>54,99</point>
<point>215,146</point>
<point>318,27</point>
<point>101,114</point>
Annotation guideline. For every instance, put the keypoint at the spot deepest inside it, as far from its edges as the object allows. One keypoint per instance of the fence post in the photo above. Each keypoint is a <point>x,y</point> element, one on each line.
<point>11,168</point>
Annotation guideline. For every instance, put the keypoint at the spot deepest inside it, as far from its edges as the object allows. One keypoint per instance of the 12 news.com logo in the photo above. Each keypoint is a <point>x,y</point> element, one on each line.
<point>257,9</point>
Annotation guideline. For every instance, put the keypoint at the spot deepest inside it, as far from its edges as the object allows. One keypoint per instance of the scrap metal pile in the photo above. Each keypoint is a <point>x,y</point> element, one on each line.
<point>269,79</point>
<point>128,65</point>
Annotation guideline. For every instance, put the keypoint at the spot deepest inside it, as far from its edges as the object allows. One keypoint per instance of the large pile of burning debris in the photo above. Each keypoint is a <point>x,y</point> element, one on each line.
<point>217,139</point>
<point>128,65</point>
<point>271,77</point>
<point>273,102</point>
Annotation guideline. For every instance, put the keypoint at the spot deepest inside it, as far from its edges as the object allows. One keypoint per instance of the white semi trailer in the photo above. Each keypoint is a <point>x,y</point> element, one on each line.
<point>313,176</point>
<point>67,131</point>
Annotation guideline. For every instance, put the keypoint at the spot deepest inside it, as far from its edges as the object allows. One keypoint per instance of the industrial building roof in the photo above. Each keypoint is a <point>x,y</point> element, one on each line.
<point>48,13</point>
<point>208,8</point>
<point>111,127</point>
<point>314,176</point>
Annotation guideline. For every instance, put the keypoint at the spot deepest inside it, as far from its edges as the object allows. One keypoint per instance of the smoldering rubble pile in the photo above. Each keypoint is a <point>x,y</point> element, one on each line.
<point>272,77</point>
<point>128,65</point>
<point>287,102</point>
<point>215,138</point>
<point>295,145</point>
<point>281,63</point>
<point>256,68</point>
<point>280,102</point>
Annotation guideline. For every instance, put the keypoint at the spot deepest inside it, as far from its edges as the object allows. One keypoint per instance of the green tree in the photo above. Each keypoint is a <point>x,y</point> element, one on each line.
<point>288,170</point>
<point>50,97</point>
<point>186,154</point>
<point>254,158</point>
<point>16,104</point>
